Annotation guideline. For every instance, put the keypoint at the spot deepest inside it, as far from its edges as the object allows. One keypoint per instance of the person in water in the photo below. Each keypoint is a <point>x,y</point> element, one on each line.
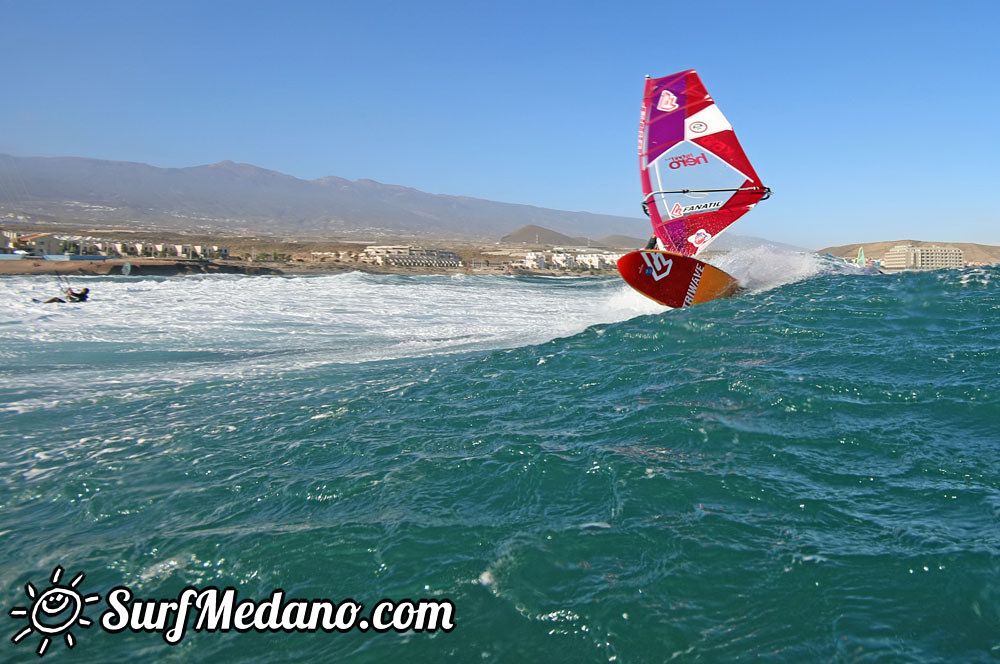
<point>71,296</point>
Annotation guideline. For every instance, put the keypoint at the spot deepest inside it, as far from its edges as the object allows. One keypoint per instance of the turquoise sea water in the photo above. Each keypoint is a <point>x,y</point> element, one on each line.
<point>809,473</point>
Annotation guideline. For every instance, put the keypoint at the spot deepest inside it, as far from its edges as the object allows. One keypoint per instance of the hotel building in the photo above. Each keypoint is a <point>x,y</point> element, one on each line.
<point>909,257</point>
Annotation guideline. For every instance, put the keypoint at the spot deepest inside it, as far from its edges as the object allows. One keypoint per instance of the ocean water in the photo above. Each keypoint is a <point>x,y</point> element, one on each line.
<point>807,473</point>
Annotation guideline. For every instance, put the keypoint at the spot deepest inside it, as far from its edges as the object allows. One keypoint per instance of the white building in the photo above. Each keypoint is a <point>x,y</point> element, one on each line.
<point>400,256</point>
<point>7,241</point>
<point>602,261</point>
<point>563,260</point>
<point>39,243</point>
<point>910,257</point>
<point>535,260</point>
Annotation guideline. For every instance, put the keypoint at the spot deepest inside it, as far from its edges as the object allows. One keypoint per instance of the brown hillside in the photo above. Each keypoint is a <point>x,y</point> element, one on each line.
<point>974,253</point>
<point>538,236</point>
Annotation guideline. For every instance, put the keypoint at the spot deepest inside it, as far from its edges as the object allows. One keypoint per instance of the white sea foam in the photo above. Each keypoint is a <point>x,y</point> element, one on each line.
<point>244,326</point>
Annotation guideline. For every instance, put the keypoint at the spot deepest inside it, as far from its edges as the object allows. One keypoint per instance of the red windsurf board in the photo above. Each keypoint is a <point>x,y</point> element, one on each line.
<point>674,280</point>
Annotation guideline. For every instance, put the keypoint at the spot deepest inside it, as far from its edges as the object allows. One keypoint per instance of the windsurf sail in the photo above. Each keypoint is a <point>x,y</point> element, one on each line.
<point>861,257</point>
<point>696,179</point>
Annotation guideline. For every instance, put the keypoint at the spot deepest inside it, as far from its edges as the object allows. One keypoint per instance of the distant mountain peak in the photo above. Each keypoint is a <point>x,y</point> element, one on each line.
<point>533,234</point>
<point>244,169</point>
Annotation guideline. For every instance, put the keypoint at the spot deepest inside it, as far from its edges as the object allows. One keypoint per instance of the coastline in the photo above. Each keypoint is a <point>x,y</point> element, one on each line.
<point>177,267</point>
<point>140,267</point>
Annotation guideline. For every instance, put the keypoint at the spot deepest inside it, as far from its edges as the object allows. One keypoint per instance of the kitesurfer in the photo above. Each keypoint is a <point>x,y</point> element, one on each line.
<point>71,296</point>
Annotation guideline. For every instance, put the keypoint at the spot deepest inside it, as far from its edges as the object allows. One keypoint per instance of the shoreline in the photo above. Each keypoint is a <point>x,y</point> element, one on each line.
<point>113,267</point>
<point>175,267</point>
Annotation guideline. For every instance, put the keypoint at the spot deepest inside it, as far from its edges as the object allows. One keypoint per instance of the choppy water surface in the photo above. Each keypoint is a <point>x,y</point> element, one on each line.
<point>807,473</point>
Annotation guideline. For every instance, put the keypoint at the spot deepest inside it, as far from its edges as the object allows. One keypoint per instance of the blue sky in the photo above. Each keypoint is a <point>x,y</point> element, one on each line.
<point>870,120</point>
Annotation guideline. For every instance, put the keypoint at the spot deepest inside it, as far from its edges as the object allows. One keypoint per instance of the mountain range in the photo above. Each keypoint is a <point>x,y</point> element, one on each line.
<point>235,198</point>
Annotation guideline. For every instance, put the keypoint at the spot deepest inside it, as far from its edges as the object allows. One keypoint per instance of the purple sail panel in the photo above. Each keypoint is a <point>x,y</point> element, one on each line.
<point>665,101</point>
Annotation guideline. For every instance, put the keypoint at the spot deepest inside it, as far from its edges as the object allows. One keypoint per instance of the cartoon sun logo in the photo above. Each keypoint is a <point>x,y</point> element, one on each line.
<point>54,611</point>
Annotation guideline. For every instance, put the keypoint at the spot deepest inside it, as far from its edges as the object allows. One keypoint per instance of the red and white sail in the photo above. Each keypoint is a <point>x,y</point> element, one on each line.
<point>696,179</point>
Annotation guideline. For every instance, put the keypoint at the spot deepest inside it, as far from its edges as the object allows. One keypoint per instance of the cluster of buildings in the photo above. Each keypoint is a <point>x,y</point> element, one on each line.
<point>37,244</point>
<point>49,244</point>
<point>566,260</point>
<point>400,256</point>
<point>409,256</point>
<point>342,256</point>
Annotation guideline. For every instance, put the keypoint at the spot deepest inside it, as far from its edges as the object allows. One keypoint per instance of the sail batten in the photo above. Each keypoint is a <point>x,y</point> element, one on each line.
<point>696,178</point>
